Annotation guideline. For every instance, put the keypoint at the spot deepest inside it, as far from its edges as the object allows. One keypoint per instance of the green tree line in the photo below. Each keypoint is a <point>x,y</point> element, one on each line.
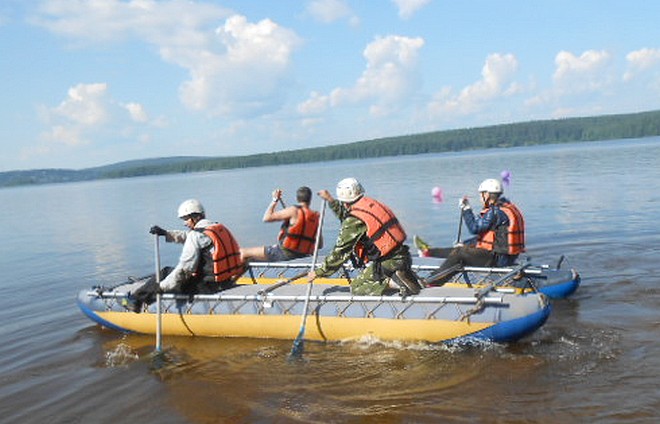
<point>608,127</point>
<point>518,134</point>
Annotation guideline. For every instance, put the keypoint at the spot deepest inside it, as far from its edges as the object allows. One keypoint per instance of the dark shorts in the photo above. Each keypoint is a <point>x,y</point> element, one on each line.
<point>276,253</point>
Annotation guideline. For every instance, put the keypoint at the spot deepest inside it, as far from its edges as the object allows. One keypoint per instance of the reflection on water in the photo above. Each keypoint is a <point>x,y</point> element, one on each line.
<point>596,359</point>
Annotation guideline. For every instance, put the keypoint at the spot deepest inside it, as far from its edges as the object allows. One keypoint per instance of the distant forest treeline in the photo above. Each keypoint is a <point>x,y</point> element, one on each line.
<point>608,127</point>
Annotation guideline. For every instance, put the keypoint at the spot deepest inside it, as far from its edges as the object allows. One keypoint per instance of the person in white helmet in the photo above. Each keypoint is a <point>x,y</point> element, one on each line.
<point>373,239</point>
<point>499,231</point>
<point>209,262</point>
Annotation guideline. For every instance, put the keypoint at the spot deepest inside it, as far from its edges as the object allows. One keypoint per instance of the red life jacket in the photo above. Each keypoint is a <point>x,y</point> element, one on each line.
<point>301,237</point>
<point>384,233</point>
<point>509,239</point>
<point>226,253</point>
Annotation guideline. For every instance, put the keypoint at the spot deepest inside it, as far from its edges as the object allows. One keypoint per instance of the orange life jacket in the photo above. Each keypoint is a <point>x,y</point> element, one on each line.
<point>384,233</point>
<point>509,239</point>
<point>226,253</point>
<point>301,236</point>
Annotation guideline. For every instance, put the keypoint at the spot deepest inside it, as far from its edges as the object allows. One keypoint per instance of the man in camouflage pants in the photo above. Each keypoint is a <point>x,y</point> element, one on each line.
<point>369,233</point>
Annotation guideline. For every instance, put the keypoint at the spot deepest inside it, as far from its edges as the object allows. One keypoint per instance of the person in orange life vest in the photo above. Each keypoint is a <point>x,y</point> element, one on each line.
<point>499,230</point>
<point>297,235</point>
<point>209,261</point>
<point>373,239</point>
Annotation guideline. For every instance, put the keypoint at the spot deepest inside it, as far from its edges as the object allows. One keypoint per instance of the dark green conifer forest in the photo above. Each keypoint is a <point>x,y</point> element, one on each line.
<point>609,127</point>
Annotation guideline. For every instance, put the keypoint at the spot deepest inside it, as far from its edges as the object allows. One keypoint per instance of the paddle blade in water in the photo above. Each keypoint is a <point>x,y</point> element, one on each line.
<point>297,348</point>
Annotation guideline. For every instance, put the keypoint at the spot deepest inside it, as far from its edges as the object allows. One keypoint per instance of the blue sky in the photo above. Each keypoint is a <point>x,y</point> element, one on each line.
<point>88,83</point>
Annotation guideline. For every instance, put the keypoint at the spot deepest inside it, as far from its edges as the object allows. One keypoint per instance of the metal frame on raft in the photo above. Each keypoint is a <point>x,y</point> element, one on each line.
<point>553,282</point>
<point>173,302</point>
<point>266,266</point>
<point>464,275</point>
<point>263,302</point>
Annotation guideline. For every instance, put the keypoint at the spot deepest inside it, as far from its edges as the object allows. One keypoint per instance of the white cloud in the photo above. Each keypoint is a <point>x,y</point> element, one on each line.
<point>497,81</point>
<point>68,135</point>
<point>640,61</point>
<point>407,8</point>
<point>159,22</point>
<point>586,72</point>
<point>644,58</point>
<point>87,112</point>
<point>137,112</point>
<point>84,105</point>
<point>582,85</point>
<point>316,104</point>
<point>390,76</point>
<point>328,11</point>
<point>236,69</point>
<point>248,78</point>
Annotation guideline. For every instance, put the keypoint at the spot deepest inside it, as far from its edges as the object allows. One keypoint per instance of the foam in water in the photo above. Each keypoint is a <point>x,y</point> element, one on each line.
<point>122,355</point>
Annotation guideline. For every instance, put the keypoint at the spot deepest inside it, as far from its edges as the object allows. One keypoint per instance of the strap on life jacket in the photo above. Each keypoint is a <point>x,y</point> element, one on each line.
<point>509,239</point>
<point>384,232</point>
<point>226,253</point>
<point>301,236</point>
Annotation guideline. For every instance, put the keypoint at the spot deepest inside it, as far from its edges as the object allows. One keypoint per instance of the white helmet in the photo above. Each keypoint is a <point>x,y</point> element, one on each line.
<point>490,185</point>
<point>189,207</point>
<point>349,190</point>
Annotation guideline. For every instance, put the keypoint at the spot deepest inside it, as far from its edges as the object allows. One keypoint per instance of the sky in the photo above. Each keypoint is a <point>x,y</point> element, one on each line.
<point>90,83</point>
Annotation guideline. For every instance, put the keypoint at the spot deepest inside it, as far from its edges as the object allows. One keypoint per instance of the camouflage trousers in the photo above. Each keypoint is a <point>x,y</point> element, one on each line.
<point>373,280</point>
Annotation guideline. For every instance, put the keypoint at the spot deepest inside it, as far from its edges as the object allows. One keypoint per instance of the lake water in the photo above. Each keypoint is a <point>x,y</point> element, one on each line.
<point>597,359</point>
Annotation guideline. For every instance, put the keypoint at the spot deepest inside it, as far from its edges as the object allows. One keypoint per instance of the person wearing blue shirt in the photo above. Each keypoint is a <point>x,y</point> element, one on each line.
<point>499,231</point>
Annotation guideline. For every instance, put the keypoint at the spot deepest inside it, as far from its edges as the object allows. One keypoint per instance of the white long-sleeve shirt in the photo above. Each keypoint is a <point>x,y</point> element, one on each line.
<point>194,243</point>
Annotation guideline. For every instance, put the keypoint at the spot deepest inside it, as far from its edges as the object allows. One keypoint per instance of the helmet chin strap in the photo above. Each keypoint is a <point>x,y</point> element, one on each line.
<point>348,205</point>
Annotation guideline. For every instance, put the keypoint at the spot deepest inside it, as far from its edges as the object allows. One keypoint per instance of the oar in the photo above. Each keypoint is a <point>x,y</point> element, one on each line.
<point>460,227</point>
<point>281,202</point>
<point>282,283</point>
<point>298,344</point>
<point>159,315</point>
<point>484,291</point>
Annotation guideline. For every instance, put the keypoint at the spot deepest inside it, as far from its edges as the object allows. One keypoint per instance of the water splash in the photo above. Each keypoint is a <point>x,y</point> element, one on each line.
<point>458,345</point>
<point>122,355</point>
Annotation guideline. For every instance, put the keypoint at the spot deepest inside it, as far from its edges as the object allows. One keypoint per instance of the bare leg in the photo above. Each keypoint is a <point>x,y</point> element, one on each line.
<point>251,254</point>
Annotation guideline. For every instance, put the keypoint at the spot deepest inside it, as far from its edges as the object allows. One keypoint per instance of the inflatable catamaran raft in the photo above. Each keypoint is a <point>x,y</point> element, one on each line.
<point>436,314</point>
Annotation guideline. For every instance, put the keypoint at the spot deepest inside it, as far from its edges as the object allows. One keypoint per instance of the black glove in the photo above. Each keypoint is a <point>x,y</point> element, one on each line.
<point>157,230</point>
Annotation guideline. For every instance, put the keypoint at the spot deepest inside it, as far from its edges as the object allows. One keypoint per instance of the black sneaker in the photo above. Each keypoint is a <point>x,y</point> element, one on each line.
<point>407,282</point>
